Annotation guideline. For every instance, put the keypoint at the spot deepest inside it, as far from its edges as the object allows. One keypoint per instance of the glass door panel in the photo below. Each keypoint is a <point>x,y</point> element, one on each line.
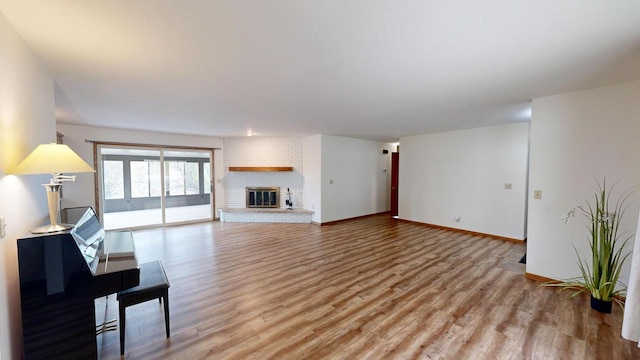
<point>130,187</point>
<point>187,176</point>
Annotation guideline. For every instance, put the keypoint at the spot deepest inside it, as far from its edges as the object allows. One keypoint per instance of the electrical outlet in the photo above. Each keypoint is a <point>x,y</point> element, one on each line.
<point>508,186</point>
<point>537,194</point>
<point>3,225</point>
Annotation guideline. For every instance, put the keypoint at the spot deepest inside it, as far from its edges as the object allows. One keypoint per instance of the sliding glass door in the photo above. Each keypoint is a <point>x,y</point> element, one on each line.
<point>144,187</point>
<point>187,179</point>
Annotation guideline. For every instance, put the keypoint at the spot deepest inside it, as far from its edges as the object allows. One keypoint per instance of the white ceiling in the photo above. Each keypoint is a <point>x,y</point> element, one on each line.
<point>371,69</point>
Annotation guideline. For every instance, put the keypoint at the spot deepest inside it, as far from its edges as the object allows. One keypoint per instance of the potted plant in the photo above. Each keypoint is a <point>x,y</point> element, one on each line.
<point>601,272</point>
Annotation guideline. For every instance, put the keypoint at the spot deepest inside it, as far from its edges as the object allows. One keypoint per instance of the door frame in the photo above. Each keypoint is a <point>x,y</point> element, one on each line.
<point>395,172</point>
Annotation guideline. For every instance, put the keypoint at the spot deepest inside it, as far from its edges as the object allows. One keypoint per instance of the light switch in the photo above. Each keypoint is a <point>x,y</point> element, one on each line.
<point>3,225</point>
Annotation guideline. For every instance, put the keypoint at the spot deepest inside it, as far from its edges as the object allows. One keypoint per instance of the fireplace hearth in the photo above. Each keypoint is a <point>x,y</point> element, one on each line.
<point>263,197</point>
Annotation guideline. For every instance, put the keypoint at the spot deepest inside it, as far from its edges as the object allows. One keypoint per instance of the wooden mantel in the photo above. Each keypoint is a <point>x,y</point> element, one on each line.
<point>261,168</point>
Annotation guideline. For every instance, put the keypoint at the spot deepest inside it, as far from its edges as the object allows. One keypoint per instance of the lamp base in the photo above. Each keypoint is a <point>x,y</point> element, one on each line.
<point>51,228</point>
<point>53,200</point>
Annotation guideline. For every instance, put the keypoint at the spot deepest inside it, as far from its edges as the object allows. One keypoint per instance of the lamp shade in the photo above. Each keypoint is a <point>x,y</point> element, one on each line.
<point>52,159</point>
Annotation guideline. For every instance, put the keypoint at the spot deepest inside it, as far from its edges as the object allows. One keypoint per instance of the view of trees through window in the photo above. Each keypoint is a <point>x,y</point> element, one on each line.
<point>145,178</point>
<point>206,170</point>
<point>113,179</point>
<point>183,177</point>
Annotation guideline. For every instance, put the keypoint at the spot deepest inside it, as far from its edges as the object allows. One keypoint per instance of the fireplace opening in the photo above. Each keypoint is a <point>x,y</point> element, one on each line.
<point>263,197</point>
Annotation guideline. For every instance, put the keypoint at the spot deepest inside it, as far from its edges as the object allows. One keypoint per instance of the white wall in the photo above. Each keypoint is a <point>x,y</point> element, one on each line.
<point>312,172</point>
<point>463,173</point>
<point>263,151</point>
<point>577,138</point>
<point>354,181</point>
<point>81,193</point>
<point>26,120</point>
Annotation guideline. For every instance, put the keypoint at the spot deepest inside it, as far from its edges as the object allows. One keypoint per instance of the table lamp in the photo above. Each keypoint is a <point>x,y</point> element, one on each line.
<point>54,159</point>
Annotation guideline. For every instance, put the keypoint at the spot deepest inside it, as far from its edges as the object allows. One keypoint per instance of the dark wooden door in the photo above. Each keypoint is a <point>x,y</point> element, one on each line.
<point>395,163</point>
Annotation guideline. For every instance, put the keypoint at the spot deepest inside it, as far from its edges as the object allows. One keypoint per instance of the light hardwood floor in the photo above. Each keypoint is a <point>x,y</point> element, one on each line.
<point>371,288</point>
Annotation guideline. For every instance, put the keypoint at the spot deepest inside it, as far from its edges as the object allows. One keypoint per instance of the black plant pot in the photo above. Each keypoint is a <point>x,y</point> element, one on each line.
<point>601,306</point>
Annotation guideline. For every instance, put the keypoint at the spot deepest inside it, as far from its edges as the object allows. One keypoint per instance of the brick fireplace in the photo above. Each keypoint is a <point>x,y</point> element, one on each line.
<point>262,152</point>
<point>252,192</point>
